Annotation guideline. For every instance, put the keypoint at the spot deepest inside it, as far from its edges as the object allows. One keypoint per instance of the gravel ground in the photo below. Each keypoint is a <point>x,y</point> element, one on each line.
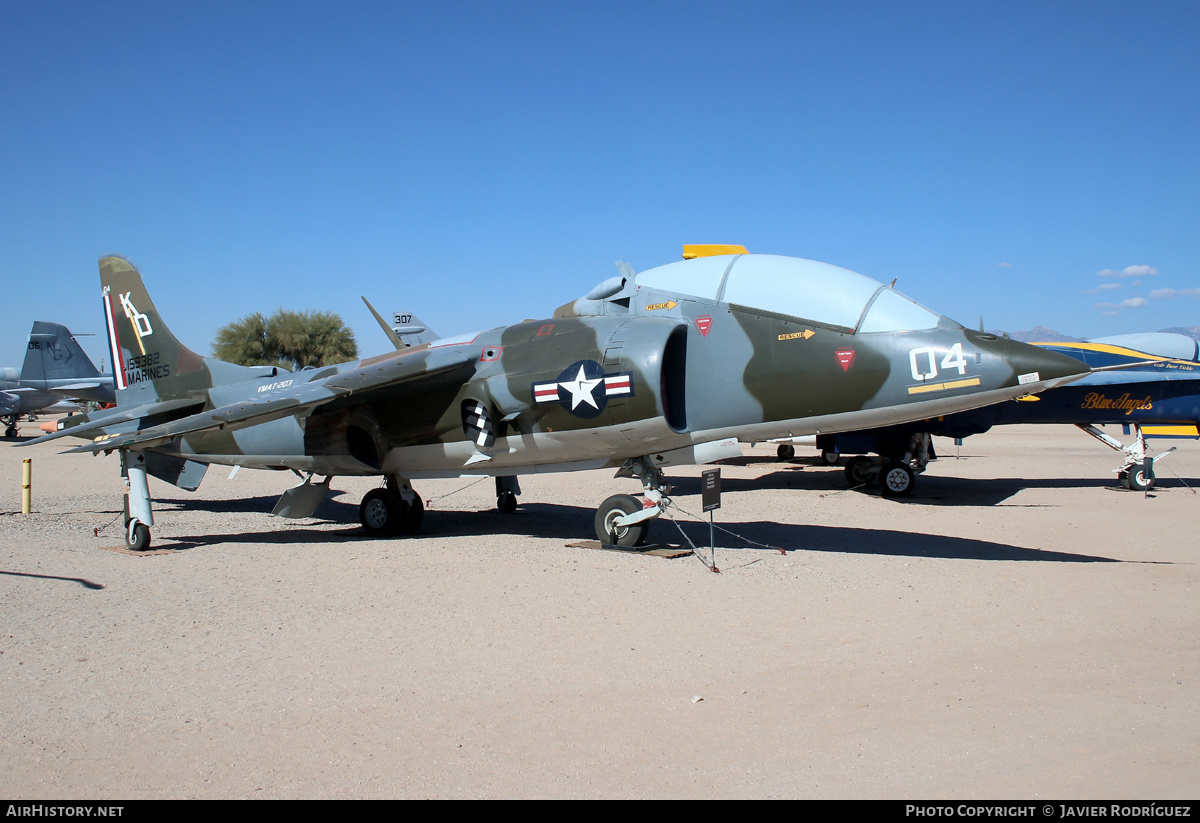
<point>1019,628</point>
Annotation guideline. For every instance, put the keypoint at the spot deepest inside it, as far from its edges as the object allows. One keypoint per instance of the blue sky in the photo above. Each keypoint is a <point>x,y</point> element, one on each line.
<point>484,162</point>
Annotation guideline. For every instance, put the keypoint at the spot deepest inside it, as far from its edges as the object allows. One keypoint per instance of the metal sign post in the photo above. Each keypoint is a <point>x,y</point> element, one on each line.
<point>710,497</point>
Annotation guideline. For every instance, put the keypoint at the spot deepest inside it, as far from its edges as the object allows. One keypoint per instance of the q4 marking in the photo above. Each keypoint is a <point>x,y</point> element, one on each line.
<point>583,388</point>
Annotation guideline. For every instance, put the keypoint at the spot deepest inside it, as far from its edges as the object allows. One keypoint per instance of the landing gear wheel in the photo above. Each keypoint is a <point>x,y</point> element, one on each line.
<point>896,480</point>
<point>610,510</point>
<point>137,536</point>
<point>830,458</point>
<point>506,502</point>
<point>381,512</point>
<point>1136,480</point>
<point>11,431</point>
<point>858,470</point>
<point>786,451</point>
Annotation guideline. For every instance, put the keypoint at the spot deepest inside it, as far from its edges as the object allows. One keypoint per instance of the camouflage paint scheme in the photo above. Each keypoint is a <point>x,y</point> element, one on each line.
<point>638,374</point>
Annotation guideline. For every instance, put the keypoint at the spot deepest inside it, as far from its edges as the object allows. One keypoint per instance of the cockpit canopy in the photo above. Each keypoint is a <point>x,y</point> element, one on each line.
<point>800,288</point>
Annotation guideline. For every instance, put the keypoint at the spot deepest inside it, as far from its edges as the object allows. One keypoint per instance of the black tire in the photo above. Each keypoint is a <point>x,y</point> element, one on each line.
<point>858,470</point>
<point>506,502</point>
<point>137,536</point>
<point>381,512</point>
<point>11,431</point>
<point>1137,480</point>
<point>786,451</point>
<point>896,480</point>
<point>613,508</point>
<point>830,458</point>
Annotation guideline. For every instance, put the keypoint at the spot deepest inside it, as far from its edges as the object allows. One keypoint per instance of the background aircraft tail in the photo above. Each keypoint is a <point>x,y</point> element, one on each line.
<point>54,354</point>
<point>56,362</point>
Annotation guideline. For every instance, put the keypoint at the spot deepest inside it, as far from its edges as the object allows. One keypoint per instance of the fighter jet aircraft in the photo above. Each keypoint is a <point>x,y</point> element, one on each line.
<point>55,367</point>
<point>1152,390</point>
<point>647,370</point>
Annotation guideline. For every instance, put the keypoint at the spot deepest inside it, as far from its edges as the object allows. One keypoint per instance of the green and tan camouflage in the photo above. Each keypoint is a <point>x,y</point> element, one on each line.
<point>668,366</point>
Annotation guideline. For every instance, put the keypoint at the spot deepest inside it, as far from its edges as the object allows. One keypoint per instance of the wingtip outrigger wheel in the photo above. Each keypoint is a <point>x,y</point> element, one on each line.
<point>137,536</point>
<point>139,517</point>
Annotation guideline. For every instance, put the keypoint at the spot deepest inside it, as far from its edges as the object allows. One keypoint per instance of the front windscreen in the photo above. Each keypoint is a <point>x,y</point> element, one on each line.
<point>892,311</point>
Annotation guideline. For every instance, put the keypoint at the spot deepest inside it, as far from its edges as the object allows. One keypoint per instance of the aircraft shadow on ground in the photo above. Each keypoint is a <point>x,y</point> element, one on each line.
<point>932,490</point>
<point>572,523</point>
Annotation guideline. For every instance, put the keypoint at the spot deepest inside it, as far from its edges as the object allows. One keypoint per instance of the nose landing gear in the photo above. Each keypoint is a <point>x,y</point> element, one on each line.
<point>624,520</point>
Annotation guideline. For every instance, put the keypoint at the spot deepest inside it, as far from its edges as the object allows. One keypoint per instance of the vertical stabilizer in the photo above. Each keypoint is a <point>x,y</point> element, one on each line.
<point>53,354</point>
<point>145,354</point>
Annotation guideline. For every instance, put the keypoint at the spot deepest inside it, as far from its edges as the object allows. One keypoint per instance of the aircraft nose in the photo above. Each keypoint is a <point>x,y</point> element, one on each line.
<point>1034,367</point>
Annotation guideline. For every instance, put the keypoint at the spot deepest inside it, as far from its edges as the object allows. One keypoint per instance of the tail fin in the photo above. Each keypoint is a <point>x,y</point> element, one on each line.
<point>55,362</point>
<point>149,363</point>
<point>412,330</point>
<point>54,354</point>
<point>144,351</point>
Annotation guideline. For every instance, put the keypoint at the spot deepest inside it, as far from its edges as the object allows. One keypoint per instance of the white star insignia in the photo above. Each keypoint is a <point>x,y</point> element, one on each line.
<point>582,389</point>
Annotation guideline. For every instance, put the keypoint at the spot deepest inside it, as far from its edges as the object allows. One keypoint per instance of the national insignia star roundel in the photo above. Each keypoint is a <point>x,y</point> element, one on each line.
<point>583,388</point>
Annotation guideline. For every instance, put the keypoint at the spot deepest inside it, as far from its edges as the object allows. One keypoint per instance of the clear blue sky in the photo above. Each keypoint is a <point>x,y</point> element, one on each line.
<point>484,162</point>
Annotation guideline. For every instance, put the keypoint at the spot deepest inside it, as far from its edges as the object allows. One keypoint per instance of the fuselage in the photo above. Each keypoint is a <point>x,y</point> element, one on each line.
<point>752,346</point>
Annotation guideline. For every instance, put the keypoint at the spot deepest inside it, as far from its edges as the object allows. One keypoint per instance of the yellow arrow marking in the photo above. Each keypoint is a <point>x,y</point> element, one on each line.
<point>807,333</point>
<point>670,304</point>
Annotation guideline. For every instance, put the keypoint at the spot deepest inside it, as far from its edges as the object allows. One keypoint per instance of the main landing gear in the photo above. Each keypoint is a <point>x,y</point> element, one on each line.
<point>896,476</point>
<point>624,520</point>
<point>10,429</point>
<point>396,509</point>
<point>391,510</point>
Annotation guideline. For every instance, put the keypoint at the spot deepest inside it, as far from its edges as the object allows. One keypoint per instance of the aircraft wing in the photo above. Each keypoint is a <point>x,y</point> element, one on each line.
<point>85,425</point>
<point>389,375</point>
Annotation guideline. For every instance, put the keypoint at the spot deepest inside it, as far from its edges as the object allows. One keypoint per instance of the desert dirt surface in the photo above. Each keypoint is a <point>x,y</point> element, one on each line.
<point>1019,628</point>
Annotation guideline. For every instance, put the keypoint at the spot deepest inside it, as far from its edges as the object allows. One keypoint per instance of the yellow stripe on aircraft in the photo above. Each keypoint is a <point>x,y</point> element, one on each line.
<point>1104,348</point>
<point>691,252</point>
<point>950,384</point>
<point>1171,431</point>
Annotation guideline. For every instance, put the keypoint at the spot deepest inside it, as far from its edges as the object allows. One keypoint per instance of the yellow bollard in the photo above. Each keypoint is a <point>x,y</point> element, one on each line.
<point>27,486</point>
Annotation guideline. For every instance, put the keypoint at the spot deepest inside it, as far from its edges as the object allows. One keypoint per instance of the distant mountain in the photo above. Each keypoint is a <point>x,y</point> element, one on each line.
<point>1041,334</point>
<point>1193,332</point>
